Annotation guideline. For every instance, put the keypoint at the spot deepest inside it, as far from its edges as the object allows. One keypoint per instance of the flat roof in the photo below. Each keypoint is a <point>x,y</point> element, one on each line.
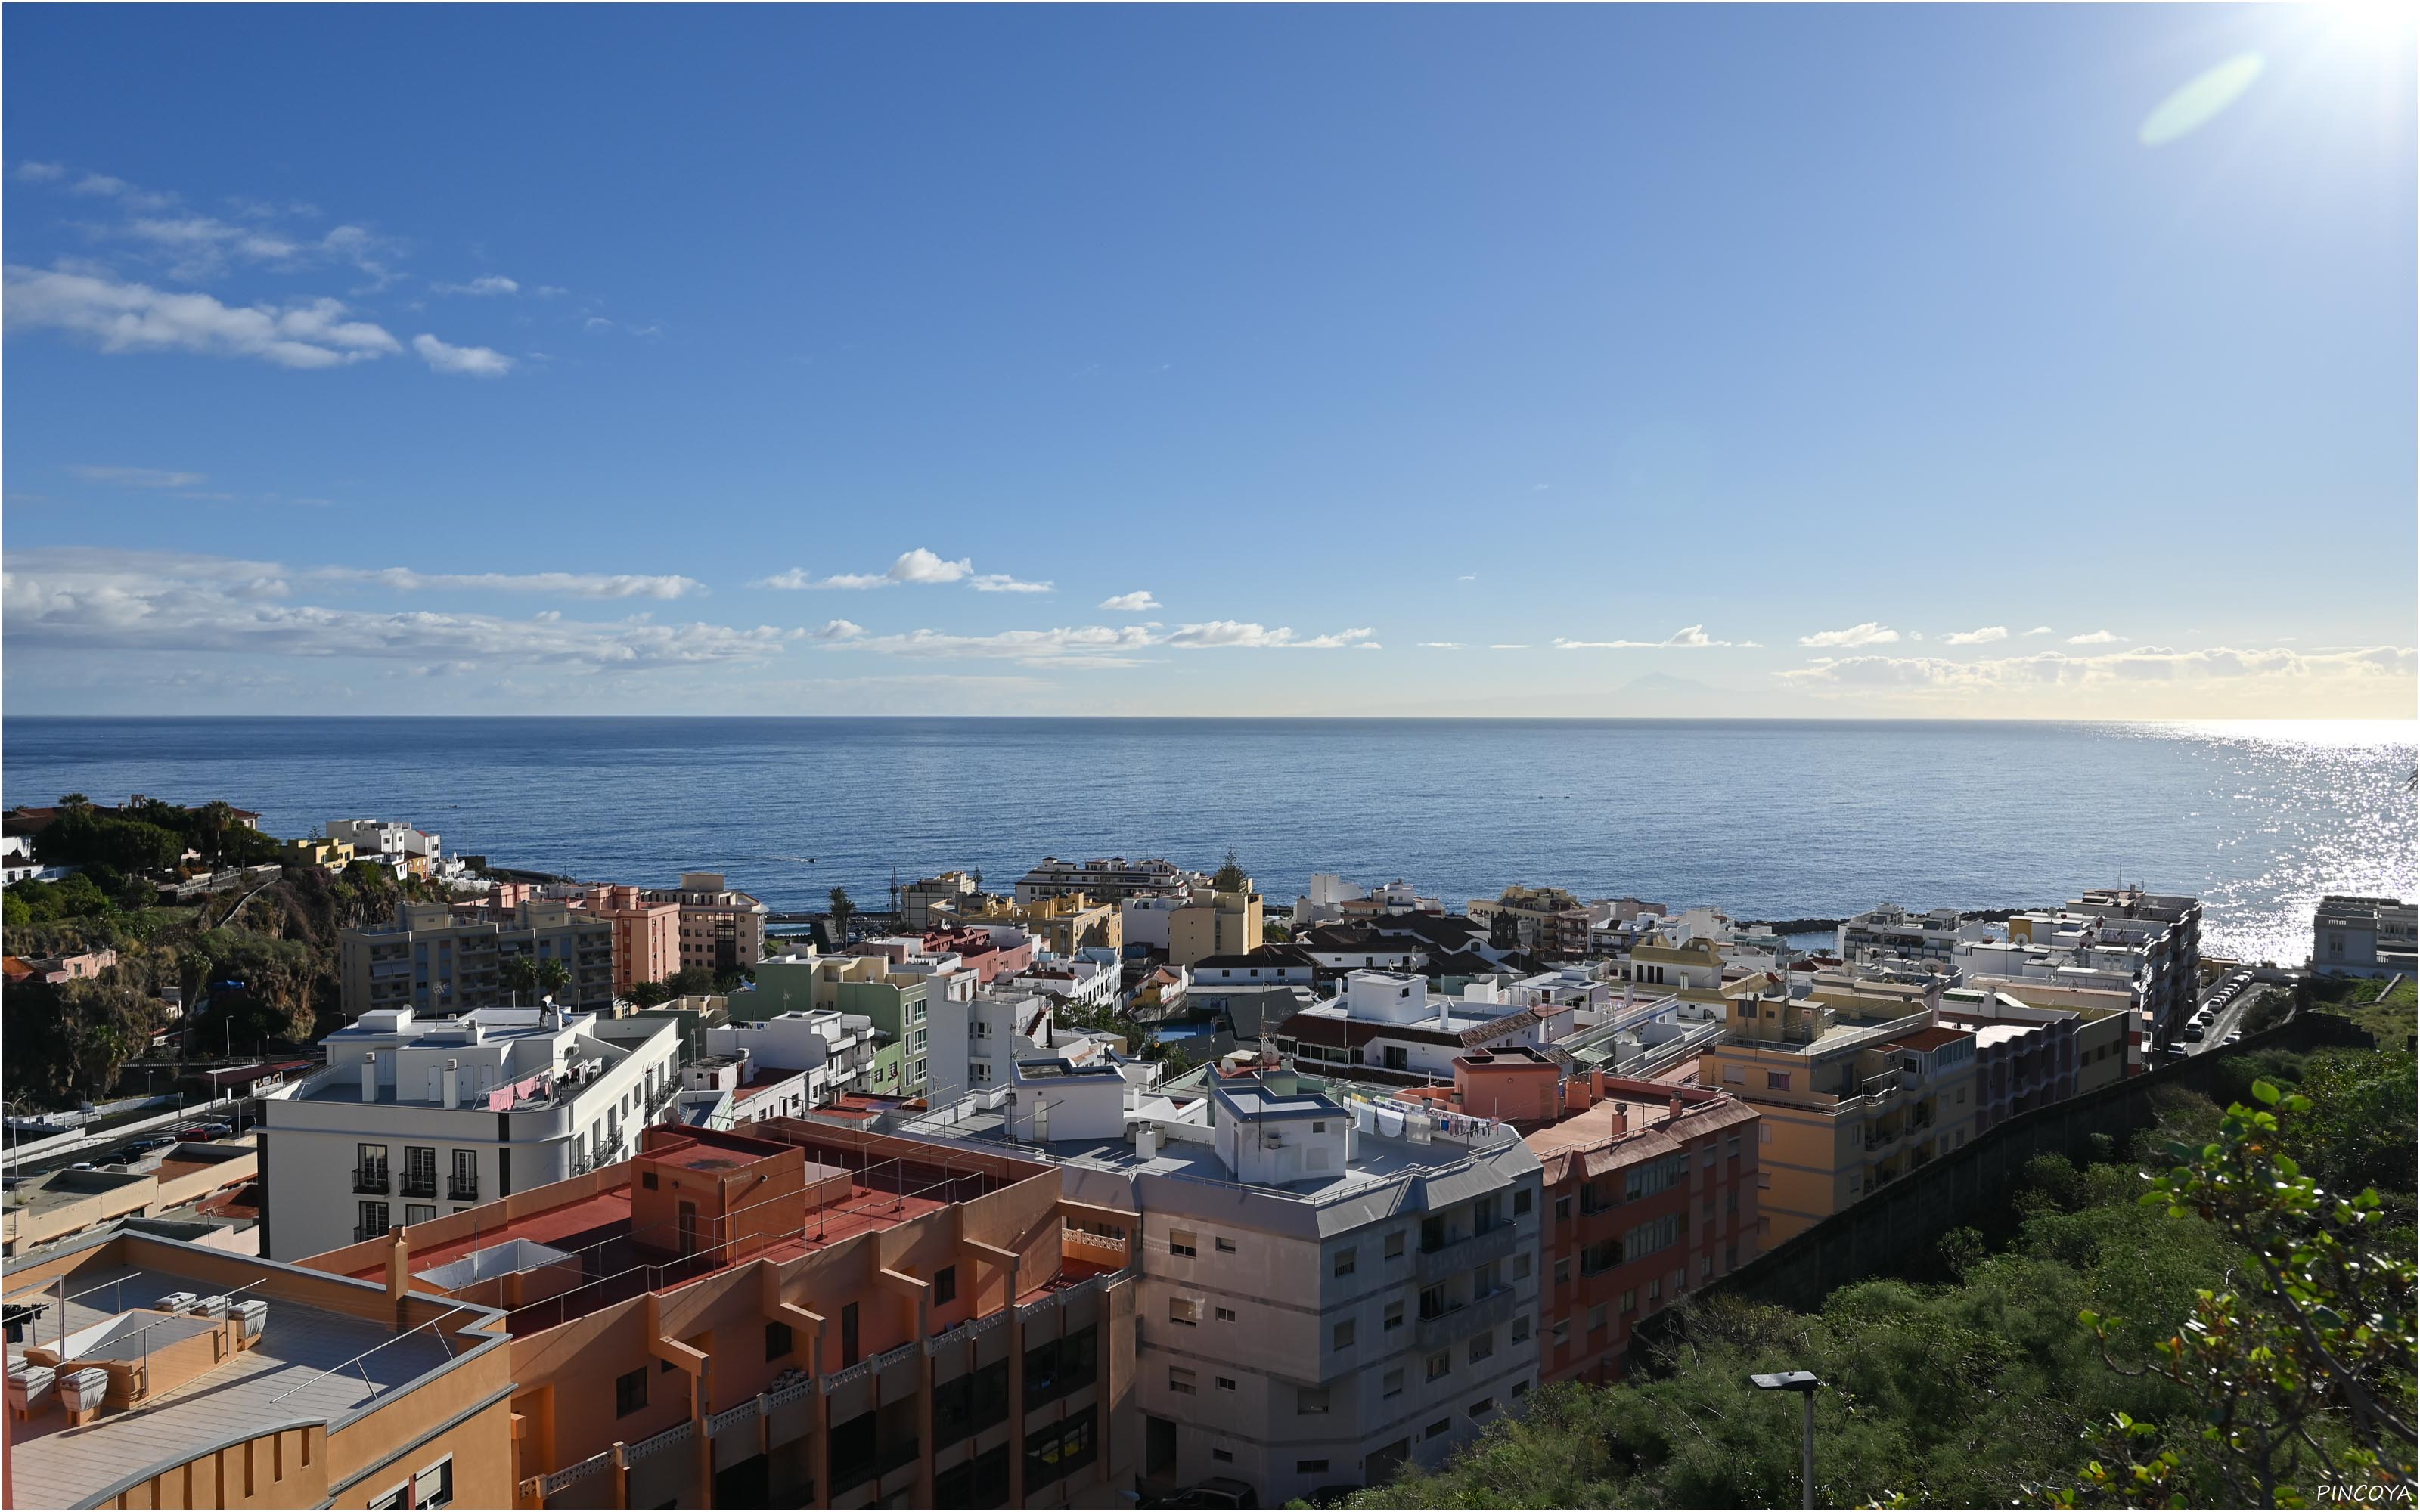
<point>309,1363</point>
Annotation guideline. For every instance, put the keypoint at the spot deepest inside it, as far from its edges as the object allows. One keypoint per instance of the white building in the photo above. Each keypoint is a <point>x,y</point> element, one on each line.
<point>1331,899</point>
<point>1386,1027</point>
<point>417,1117</point>
<point>2364,937</point>
<point>1332,1282</point>
<point>1105,880</point>
<point>17,861</point>
<point>1890,929</point>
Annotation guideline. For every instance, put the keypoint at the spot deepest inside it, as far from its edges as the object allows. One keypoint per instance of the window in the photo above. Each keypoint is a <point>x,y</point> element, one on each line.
<point>1393,1386</point>
<point>1440,1366</point>
<point>1521,1329</point>
<point>1345,1262</point>
<point>1185,1310</point>
<point>1443,1424</point>
<point>373,1220</point>
<point>1764,1134</point>
<point>1482,1346</point>
<point>1433,1304</point>
<point>1395,1245</point>
<point>418,1212</point>
<point>1563,1210</point>
<point>1561,1332</point>
<point>1764,1181</point>
<point>630,1392</point>
<point>1224,1457</point>
<point>1596,1318</point>
<point>1224,1247</point>
<point>1394,1315</point>
<point>1310,1467</point>
<point>1226,1383</point>
<point>778,1341</point>
<point>1181,1242</point>
<point>1482,1407</point>
<point>1226,1315</point>
<point>1521,1266</point>
<point>945,1285</point>
<point>1345,1334</point>
<point>1656,1289</point>
<point>1521,1201</point>
<point>1776,1081</point>
<point>1311,1400</point>
<point>1180,1380</point>
<point>1563,1271</point>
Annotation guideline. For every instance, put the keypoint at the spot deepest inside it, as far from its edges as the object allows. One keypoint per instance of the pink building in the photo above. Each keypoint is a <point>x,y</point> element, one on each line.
<point>647,935</point>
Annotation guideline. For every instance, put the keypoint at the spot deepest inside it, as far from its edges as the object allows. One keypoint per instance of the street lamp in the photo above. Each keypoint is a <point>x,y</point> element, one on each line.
<point>1804,1383</point>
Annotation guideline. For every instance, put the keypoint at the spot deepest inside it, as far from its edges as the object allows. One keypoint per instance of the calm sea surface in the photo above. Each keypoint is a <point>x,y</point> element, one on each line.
<point>1771,819</point>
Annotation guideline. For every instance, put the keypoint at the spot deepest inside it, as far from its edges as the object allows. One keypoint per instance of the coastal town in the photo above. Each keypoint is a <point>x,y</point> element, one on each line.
<point>1120,1180</point>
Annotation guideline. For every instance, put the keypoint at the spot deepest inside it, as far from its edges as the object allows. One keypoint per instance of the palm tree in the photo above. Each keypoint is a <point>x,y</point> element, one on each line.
<point>215,816</point>
<point>554,976</point>
<point>520,975</point>
<point>843,909</point>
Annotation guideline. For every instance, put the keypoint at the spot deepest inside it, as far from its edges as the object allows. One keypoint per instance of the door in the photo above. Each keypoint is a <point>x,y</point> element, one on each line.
<point>689,1243</point>
<point>848,1335</point>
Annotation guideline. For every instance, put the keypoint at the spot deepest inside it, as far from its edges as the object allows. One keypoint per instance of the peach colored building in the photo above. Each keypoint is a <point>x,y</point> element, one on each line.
<point>808,1315</point>
<point>647,935</point>
<point>227,1381</point>
<point>1650,1191</point>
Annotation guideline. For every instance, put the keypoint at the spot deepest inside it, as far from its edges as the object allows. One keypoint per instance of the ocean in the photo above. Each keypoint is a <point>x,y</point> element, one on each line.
<point>1769,819</point>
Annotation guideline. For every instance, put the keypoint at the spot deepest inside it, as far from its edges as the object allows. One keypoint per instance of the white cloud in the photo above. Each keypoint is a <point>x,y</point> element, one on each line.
<point>1138,602</point>
<point>1977,638</point>
<point>917,566</point>
<point>102,598</point>
<point>1510,645</point>
<point>124,318</point>
<point>138,477</point>
<point>1868,634</point>
<point>794,578</point>
<point>198,246</point>
<point>103,186</point>
<point>1001,582</point>
<point>1440,645</point>
<point>1687,638</point>
<point>491,283</point>
<point>478,361</point>
<point>2039,630</point>
<point>836,631</point>
<point>2095,637</point>
<point>2144,681</point>
<point>40,173</point>
<point>567,584</point>
<point>922,566</point>
<point>551,291</point>
<point>1216,633</point>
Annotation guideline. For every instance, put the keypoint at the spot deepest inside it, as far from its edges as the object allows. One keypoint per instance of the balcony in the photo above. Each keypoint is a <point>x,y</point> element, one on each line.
<point>370,1180</point>
<point>420,1184</point>
<point>462,1189</point>
<point>1463,1319</point>
<point>1457,1256</point>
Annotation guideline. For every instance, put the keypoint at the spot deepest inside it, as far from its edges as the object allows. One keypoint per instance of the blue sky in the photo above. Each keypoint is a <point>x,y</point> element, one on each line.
<point>1891,361</point>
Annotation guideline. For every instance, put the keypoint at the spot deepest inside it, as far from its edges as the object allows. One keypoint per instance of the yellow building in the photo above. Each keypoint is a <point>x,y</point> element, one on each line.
<point>335,855</point>
<point>1066,924</point>
<point>1849,1104</point>
<point>1214,923</point>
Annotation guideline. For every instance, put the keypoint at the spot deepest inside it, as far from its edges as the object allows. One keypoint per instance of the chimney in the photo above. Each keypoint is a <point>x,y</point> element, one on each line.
<point>1676,1104</point>
<point>398,1264</point>
<point>1622,1117</point>
<point>369,1078</point>
<point>452,1084</point>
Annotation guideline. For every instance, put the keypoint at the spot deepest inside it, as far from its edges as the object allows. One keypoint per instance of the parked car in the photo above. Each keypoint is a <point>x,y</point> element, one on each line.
<point>2193,1031</point>
<point>198,1133</point>
<point>84,1166</point>
<point>2232,1035</point>
<point>218,1131</point>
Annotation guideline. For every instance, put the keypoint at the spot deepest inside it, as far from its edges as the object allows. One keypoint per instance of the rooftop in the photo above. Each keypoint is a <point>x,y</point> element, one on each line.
<point>310,1362</point>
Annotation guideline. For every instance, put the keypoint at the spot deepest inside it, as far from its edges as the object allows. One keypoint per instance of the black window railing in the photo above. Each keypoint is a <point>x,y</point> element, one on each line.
<point>371,1179</point>
<point>462,1189</point>
<point>415,1185</point>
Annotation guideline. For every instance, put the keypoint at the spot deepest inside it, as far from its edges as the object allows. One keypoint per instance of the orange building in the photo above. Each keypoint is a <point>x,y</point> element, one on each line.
<point>147,1372</point>
<point>647,935</point>
<point>803,1315</point>
<point>1652,1190</point>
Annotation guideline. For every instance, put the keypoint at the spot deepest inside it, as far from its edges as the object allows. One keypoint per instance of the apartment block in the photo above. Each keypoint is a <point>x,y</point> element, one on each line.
<point>2365,937</point>
<point>437,958</point>
<point>1386,1027</point>
<point>647,935</point>
<point>807,1314</point>
<point>1110,879</point>
<point>146,1372</point>
<point>1211,923</point>
<point>1331,900</point>
<point>1846,1104</point>
<point>1890,929</point>
<point>935,899</point>
<point>416,1118</point>
<point>1549,922</point>
<point>2027,1055</point>
<point>722,928</point>
<point>2110,947</point>
<point>65,1205</point>
<point>1065,923</point>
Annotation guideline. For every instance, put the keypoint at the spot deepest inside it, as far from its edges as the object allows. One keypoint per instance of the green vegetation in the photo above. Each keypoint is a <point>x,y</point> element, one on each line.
<point>1976,1380</point>
<point>844,908</point>
<point>1230,877</point>
<point>2391,1018</point>
<point>68,1042</point>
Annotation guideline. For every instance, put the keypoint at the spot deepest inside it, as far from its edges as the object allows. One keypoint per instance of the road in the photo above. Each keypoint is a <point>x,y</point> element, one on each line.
<point>2230,1018</point>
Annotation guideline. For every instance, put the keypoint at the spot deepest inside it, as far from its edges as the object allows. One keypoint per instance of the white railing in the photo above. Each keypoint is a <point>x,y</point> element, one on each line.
<point>569,1475</point>
<point>671,1438</point>
<point>841,1378</point>
<point>721,1422</point>
<point>795,1391</point>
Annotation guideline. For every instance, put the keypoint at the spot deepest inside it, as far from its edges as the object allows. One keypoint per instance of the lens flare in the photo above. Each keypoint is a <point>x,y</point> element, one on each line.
<point>2199,102</point>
